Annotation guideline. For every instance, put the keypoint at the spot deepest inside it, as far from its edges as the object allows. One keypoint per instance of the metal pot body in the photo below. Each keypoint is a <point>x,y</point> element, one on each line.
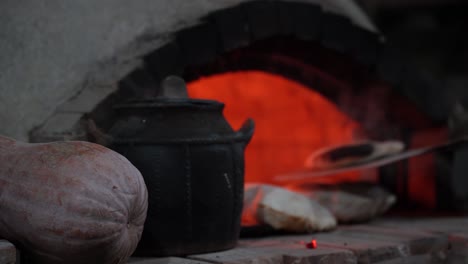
<point>193,165</point>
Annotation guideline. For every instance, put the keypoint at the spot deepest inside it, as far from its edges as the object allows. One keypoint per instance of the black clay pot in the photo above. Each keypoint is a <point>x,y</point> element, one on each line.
<point>193,165</point>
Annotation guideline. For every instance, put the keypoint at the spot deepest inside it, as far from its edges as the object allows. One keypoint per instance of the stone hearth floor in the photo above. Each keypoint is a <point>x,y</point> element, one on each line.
<point>385,241</point>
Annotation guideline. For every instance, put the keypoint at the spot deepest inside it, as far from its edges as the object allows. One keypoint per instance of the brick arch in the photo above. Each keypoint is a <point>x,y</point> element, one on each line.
<point>329,25</point>
<point>301,41</point>
<point>89,63</point>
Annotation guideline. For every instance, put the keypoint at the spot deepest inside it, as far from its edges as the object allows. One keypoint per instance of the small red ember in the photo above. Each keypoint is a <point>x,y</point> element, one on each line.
<point>312,244</point>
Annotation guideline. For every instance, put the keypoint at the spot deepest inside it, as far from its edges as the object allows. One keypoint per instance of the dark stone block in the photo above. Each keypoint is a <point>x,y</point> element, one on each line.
<point>165,61</point>
<point>444,191</point>
<point>287,22</point>
<point>390,67</point>
<point>459,181</point>
<point>232,28</point>
<point>426,93</point>
<point>338,33</point>
<point>263,18</point>
<point>299,19</point>
<point>366,47</point>
<point>388,177</point>
<point>199,44</point>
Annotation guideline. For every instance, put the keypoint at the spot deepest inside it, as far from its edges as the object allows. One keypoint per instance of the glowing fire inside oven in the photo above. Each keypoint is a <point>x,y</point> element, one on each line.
<point>292,120</point>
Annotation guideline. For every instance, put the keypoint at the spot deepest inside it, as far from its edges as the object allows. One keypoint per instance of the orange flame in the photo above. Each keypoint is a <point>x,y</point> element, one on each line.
<point>292,120</point>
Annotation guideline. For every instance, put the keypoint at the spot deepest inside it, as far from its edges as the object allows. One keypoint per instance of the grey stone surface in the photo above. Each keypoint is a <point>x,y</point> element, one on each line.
<point>285,253</point>
<point>168,260</point>
<point>58,122</point>
<point>60,50</point>
<point>61,126</point>
<point>7,252</point>
<point>419,259</point>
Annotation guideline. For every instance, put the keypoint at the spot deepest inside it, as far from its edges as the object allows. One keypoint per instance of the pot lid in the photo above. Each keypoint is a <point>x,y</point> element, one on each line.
<point>172,94</point>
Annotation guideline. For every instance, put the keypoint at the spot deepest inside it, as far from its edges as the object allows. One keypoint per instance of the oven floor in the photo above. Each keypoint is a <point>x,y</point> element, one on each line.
<point>384,241</point>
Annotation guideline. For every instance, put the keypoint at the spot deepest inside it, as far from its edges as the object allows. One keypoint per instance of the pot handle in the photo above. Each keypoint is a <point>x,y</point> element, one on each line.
<point>246,131</point>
